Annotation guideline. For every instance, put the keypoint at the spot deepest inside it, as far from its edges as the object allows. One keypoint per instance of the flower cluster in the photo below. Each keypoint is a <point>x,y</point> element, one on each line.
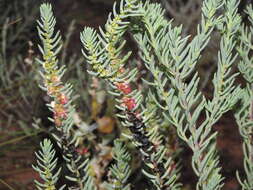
<point>130,103</point>
<point>52,72</point>
<point>55,90</point>
<point>126,89</point>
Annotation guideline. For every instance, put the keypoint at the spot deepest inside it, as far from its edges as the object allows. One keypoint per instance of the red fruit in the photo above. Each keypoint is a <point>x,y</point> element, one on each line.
<point>124,87</point>
<point>129,103</point>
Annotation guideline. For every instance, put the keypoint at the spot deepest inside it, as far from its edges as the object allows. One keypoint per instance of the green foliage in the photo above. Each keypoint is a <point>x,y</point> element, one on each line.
<point>244,115</point>
<point>173,98</point>
<point>120,171</point>
<point>46,166</point>
<point>104,53</point>
<point>183,102</point>
<point>61,104</point>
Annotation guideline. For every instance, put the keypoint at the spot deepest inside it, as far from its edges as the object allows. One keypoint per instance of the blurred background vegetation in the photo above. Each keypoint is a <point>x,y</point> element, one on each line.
<point>23,113</point>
